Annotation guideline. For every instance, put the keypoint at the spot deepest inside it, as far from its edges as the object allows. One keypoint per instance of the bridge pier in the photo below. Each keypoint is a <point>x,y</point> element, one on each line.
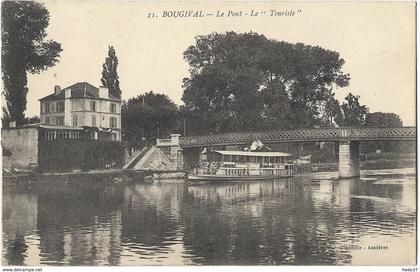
<point>348,164</point>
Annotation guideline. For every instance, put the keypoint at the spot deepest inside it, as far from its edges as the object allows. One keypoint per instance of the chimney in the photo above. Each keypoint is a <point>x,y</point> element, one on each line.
<point>67,93</point>
<point>103,92</point>
<point>57,89</point>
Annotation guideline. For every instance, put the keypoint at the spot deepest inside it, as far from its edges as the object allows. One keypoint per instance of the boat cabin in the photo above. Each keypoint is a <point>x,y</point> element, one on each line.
<point>232,163</point>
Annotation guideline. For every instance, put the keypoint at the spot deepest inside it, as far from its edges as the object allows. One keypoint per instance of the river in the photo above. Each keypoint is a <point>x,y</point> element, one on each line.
<point>305,220</point>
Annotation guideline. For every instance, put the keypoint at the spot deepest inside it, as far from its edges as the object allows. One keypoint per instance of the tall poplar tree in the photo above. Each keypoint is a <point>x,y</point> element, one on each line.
<point>24,49</point>
<point>109,73</point>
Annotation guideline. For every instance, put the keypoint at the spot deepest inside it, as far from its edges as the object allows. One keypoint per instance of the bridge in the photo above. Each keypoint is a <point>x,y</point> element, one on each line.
<point>302,135</point>
<point>348,138</point>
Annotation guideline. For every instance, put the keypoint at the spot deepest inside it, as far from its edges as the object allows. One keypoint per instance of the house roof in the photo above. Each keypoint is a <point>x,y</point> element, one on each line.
<point>78,90</point>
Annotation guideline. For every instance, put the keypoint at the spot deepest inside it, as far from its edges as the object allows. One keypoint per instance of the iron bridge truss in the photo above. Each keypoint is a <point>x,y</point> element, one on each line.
<point>303,135</point>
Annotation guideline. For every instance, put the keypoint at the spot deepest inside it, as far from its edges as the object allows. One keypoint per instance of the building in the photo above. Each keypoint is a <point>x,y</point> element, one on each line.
<point>82,105</point>
<point>59,148</point>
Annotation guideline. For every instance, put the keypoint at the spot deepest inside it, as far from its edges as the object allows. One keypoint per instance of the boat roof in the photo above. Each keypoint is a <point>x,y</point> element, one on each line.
<point>253,154</point>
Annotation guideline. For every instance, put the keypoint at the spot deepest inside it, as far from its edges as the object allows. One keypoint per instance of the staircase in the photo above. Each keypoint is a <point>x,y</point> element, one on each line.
<point>136,158</point>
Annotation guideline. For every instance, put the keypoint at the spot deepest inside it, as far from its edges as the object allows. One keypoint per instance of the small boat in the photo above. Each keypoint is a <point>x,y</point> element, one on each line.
<point>243,165</point>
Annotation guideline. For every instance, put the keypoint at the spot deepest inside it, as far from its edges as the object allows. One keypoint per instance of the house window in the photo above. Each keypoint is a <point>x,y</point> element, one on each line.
<point>93,120</point>
<point>74,120</point>
<point>60,107</point>
<point>112,108</point>
<point>52,105</point>
<point>113,122</point>
<point>59,121</point>
<point>47,120</point>
<point>47,107</point>
<point>92,105</point>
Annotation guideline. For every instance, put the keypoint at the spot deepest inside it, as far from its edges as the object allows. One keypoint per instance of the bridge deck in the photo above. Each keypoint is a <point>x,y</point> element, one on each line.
<point>303,135</point>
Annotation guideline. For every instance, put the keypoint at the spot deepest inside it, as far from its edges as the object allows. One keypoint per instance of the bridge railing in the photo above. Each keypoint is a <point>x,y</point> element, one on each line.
<point>302,135</point>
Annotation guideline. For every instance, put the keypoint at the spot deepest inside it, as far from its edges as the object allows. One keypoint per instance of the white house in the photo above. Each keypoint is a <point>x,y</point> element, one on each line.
<point>83,105</point>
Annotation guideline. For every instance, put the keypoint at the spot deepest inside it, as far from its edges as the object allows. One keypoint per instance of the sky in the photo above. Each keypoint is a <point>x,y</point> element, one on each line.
<point>376,40</point>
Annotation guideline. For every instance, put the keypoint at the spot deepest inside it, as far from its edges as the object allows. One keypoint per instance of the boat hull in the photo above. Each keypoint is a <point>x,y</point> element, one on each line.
<point>221,178</point>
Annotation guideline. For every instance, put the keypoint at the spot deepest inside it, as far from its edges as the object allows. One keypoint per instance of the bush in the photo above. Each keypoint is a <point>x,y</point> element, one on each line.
<point>71,154</point>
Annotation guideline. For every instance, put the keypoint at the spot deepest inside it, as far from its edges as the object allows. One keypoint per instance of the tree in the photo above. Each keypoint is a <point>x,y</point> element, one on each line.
<point>24,49</point>
<point>383,119</point>
<point>5,118</point>
<point>27,120</point>
<point>109,73</point>
<point>245,82</point>
<point>33,120</point>
<point>149,116</point>
<point>332,112</point>
<point>353,113</point>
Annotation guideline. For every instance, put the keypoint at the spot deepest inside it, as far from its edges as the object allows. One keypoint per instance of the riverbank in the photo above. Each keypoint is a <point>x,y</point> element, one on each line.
<point>130,175</point>
<point>364,165</point>
<point>105,176</point>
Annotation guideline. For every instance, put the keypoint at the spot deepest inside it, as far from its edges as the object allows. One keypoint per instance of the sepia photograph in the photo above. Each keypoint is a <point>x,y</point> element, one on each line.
<point>195,133</point>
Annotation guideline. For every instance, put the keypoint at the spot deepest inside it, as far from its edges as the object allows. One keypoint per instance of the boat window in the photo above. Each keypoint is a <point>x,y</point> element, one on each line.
<point>229,165</point>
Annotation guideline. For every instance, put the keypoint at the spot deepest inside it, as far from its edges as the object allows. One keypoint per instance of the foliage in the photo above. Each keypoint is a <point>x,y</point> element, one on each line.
<point>33,120</point>
<point>245,81</point>
<point>383,119</point>
<point>27,120</point>
<point>69,154</point>
<point>353,113</point>
<point>151,115</point>
<point>332,112</point>
<point>328,153</point>
<point>5,118</point>
<point>109,73</point>
<point>24,49</point>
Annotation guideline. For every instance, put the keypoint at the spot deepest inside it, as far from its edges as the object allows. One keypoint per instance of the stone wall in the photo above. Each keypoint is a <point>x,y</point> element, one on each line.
<point>20,148</point>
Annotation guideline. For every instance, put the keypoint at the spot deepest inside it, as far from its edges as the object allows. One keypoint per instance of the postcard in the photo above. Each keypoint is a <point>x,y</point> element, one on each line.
<point>239,133</point>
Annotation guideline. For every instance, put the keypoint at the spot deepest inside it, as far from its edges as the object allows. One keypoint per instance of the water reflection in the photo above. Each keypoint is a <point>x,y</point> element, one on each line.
<point>291,221</point>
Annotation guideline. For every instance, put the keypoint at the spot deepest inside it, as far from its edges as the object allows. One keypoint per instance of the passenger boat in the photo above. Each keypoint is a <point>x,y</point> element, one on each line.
<point>243,165</point>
